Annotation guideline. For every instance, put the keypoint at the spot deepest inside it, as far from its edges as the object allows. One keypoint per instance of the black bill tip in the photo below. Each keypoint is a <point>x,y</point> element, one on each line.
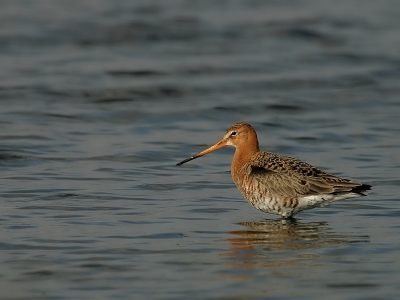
<point>186,160</point>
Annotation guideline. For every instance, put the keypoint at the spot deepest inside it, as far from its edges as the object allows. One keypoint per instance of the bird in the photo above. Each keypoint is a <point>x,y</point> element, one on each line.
<point>279,184</point>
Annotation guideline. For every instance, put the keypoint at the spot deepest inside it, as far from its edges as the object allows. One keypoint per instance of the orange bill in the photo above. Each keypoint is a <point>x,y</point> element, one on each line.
<point>219,145</point>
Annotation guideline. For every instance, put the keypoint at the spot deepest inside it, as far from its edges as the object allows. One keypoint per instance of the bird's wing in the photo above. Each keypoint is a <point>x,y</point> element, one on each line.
<point>291,177</point>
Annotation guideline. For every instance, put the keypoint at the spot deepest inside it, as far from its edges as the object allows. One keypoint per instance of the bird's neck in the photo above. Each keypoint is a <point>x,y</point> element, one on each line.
<point>243,156</point>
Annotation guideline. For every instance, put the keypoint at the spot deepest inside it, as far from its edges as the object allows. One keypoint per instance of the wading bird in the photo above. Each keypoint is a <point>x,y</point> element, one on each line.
<point>279,184</point>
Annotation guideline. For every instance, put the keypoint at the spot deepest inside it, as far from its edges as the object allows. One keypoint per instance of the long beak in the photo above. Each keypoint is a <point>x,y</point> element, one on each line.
<point>219,145</point>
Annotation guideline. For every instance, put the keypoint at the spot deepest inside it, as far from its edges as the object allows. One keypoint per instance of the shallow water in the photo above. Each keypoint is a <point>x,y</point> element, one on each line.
<point>100,100</point>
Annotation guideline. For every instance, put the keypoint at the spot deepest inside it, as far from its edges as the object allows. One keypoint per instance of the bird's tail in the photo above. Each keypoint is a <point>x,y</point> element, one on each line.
<point>362,189</point>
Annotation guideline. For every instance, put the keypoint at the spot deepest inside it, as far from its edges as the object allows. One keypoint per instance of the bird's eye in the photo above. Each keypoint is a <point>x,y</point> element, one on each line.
<point>233,133</point>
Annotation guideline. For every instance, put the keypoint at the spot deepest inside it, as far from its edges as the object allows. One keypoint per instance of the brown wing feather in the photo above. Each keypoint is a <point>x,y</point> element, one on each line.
<point>291,177</point>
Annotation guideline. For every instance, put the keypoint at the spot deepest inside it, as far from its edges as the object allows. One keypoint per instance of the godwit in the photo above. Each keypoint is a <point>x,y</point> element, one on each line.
<point>279,184</point>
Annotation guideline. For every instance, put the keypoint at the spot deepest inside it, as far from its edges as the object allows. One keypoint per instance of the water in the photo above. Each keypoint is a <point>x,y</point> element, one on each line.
<point>100,100</point>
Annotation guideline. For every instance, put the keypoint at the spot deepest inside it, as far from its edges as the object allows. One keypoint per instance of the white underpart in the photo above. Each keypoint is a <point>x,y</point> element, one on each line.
<point>322,200</point>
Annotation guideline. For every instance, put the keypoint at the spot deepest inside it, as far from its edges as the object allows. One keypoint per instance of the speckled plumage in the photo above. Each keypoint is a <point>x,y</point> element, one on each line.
<point>280,184</point>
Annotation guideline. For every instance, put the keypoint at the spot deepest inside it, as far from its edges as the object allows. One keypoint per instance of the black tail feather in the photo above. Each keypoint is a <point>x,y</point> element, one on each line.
<point>362,189</point>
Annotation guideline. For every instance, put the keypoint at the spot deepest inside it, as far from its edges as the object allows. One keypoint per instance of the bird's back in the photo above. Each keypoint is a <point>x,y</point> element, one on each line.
<point>284,185</point>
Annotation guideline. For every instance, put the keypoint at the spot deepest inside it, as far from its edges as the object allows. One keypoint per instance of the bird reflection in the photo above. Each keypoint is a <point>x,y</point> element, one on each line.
<point>274,243</point>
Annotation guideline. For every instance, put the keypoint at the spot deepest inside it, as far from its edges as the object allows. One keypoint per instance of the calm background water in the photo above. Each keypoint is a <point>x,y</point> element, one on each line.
<point>100,100</point>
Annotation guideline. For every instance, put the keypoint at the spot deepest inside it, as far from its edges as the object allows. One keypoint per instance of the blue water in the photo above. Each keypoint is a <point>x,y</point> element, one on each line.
<point>100,100</point>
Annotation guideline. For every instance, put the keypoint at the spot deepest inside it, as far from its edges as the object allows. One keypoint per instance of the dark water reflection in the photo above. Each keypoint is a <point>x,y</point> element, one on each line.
<point>282,235</point>
<point>277,243</point>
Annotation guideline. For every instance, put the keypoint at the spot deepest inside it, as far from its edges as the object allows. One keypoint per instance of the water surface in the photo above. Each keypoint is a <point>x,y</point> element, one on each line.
<point>100,100</point>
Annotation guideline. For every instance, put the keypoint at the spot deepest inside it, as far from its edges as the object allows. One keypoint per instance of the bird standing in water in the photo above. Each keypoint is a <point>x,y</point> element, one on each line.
<point>279,184</point>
